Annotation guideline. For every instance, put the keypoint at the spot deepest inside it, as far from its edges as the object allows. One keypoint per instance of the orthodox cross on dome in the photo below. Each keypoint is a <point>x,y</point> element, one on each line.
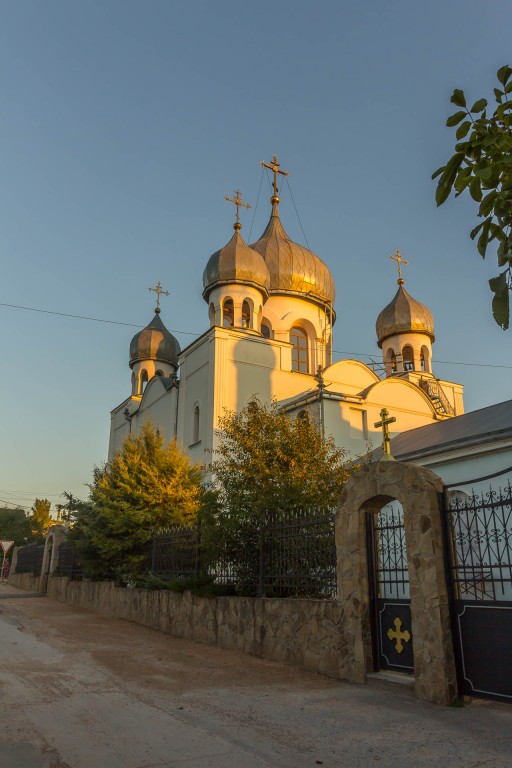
<point>399,261</point>
<point>385,421</point>
<point>237,200</point>
<point>159,292</point>
<point>274,166</point>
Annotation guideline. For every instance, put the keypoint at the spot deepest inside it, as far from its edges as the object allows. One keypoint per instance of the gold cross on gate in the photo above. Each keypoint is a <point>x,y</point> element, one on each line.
<point>399,261</point>
<point>274,167</point>
<point>385,421</point>
<point>398,635</point>
<point>237,200</point>
<point>159,291</point>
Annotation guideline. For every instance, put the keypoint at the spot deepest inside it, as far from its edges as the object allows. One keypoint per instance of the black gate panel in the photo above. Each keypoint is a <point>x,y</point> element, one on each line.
<point>389,579</point>
<point>395,635</point>
<point>480,551</point>
<point>485,632</point>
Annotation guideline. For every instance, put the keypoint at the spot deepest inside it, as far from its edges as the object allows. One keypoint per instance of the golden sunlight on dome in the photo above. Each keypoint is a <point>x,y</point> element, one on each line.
<point>404,315</point>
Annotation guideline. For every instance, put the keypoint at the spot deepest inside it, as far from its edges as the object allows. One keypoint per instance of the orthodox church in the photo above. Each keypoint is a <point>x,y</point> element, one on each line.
<point>271,316</point>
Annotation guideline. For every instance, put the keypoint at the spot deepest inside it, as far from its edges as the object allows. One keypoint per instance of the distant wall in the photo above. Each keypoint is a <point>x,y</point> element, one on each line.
<point>304,633</point>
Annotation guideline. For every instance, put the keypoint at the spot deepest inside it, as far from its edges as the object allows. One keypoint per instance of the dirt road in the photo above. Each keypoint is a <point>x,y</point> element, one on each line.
<point>80,690</point>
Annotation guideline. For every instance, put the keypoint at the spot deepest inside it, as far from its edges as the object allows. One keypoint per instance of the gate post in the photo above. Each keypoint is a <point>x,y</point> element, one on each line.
<point>417,489</point>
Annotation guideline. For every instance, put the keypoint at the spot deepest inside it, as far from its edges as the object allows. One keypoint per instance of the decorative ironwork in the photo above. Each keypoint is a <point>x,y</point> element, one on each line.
<point>292,555</point>
<point>479,528</point>
<point>482,544</point>
<point>392,567</point>
<point>30,559</point>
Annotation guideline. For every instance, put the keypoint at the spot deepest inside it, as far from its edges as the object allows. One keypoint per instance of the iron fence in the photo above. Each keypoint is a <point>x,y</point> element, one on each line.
<point>30,559</point>
<point>68,563</point>
<point>292,554</point>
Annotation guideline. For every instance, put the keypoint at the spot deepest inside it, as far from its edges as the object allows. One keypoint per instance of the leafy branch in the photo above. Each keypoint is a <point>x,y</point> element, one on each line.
<point>482,164</point>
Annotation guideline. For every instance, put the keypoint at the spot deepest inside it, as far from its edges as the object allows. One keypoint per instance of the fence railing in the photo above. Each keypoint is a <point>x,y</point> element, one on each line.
<point>293,554</point>
<point>68,563</point>
<point>30,559</point>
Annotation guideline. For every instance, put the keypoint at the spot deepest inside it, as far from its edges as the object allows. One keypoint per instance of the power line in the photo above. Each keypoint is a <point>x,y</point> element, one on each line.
<point>85,317</point>
<point>196,335</point>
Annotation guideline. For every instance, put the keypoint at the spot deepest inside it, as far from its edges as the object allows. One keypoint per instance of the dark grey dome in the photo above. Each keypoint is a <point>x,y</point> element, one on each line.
<point>154,342</point>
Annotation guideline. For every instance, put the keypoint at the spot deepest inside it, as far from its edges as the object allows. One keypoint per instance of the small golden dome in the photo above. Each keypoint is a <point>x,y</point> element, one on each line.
<point>235,263</point>
<point>293,268</point>
<point>154,342</point>
<point>404,315</point>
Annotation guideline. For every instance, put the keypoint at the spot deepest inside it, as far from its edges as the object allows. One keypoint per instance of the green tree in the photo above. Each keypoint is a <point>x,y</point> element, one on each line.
<point>40,517</point>
<point>15,526</point>
<point>267,463</point>
<point>482,164</point>
<point>147,486</point>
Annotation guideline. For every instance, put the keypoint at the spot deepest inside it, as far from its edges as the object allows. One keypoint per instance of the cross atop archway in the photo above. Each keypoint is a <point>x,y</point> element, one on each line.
<point>385,421</point>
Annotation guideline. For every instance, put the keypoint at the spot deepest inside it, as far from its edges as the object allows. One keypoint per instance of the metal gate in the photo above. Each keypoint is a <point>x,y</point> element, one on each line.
<point>479,516</point>
<point>389,590</point>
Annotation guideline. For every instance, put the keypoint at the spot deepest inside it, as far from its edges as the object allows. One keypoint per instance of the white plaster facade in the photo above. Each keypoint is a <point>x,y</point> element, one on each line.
<point>270,312</point>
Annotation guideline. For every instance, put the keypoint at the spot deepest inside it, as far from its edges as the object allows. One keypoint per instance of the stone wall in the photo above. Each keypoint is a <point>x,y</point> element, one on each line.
<point>304,633</point>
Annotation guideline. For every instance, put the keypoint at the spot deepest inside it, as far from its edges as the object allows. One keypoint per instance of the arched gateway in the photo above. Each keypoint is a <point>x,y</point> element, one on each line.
<point>390,554</point>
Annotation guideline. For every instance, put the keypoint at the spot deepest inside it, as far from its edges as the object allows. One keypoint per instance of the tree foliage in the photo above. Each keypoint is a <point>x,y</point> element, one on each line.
<point>482,164</point>
<point>40,517</point>
<point>266,464</point>
<point>147,487</point>
<point>15,526</point>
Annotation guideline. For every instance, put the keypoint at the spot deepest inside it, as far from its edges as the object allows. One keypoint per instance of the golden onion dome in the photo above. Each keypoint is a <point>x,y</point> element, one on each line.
<point>154,342</point>
<point>293,268</point>
<point>404,315</point>
<point>236,263</point>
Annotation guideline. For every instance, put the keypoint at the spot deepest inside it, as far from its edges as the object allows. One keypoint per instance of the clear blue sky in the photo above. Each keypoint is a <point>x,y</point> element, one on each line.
<point>124,124</point>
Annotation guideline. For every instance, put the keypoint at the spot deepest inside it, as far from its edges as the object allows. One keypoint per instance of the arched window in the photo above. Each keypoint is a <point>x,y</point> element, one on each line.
<point>424,361</point>
<point>159,373</point>
<point>408,358</point>
<point>143,381</point>
<point>390,361</point>
<point>195,425</point>
<point>211,314</point>
<point>300,356</point>
<point>266,329</point>
<point>303,415</point>
<point>228,313</point>
<point>246,315</point>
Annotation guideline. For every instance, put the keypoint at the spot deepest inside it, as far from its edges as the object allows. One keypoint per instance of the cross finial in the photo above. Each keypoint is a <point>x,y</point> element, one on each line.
<point>159,291</point>
<point>385,421</point>
<point>237,200</point>
<point>274,166</point>
<point>399,261</point>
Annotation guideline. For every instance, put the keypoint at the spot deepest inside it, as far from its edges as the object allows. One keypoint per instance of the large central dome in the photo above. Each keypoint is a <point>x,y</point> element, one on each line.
<point>293,268</point>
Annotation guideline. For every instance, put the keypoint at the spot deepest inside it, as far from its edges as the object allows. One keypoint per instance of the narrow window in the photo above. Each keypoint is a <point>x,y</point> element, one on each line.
<point>246,315</point>
<point>211,314</point>
<point>266,330</point>
<point>424,359</point>
<point>391,362</point>
<point>300,358</point>
<point>228,313</point>
<point>159,373</point>
<point>143,381</point>
<point>195,428</point>
<point>408,357</point>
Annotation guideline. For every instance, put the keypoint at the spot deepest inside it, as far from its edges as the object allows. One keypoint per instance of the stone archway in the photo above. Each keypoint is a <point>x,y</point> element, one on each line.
<point>56,534</point>
<point>418,490</point>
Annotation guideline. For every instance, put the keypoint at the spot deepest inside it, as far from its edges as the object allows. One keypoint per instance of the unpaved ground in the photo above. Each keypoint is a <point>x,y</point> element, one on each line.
<point>80,690</point>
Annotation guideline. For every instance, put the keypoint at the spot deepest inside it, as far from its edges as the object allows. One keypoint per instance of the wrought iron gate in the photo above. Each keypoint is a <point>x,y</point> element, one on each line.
<point>479,520</point>
<point>389,590</point>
